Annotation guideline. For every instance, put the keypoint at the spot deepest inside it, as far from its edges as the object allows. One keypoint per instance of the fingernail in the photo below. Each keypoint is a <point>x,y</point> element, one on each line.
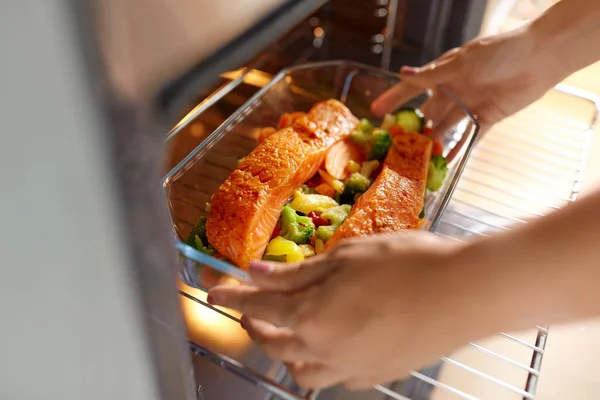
<point>243,322</point>
<point>260,267</point>
<point>210,299</point>
<point>409,71</point>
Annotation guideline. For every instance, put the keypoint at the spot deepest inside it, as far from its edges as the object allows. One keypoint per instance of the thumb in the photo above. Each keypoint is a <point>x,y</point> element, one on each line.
<point>287,277</point>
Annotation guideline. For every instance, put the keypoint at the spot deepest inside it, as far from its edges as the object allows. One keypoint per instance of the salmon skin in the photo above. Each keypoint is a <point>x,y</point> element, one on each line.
<point>245,209</point>
<point>396,198</point>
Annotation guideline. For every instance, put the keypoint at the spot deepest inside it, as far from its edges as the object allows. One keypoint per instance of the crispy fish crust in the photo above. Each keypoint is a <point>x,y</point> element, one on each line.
<point>245,209</point>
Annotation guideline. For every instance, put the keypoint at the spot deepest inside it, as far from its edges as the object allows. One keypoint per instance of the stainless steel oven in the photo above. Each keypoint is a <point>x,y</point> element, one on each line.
<point>107,97</point>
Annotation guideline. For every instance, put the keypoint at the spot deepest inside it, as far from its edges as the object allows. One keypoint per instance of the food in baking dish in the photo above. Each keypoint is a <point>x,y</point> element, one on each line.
<point>324,176</point>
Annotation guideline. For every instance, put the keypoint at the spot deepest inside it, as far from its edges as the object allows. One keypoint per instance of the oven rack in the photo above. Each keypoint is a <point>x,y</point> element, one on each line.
<point>526,166</point>
<point>513,175</point>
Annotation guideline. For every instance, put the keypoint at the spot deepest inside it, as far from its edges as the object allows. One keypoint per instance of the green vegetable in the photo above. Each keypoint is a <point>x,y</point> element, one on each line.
<point>410,119</point>
<point>368,167</point>
<point>365,125</point>
<point>438,169</point>
<point>388,121</point>
<point>197,238</point>
<point>380,144</point>
<point>271,257</point>
<point>422,213</point>
<point>360,137</point>
<point>205,249</point>
<point>294,227</point>
<point>305,189</point>
<point>336,216</point>
<point>356,184</point>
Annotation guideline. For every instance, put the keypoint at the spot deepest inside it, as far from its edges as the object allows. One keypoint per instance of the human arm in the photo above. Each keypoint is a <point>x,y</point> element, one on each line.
<point>374,308</point>
<point>499,75</point>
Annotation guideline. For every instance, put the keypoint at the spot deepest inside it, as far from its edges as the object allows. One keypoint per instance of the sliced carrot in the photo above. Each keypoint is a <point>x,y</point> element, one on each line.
<point>334,183</point>
<point>325,190</point>
<point>437,149</point>
<point>338,157</point>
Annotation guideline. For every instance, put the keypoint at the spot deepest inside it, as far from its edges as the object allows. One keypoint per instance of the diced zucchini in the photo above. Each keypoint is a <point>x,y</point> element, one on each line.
<point>410,119</point>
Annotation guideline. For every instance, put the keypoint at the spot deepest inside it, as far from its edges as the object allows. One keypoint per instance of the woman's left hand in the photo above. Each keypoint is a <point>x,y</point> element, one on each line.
<point>365,313</point>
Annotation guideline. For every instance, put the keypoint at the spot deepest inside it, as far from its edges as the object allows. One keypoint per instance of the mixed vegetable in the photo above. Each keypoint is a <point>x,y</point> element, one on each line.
<point>320,207</point>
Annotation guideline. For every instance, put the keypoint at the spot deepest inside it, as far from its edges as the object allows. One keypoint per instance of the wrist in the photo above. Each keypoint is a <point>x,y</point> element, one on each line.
<point>566,36</point>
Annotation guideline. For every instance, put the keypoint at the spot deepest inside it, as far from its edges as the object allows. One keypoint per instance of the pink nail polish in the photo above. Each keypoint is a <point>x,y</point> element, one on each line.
<point>409,71</point>
<point>260,268</point>
<point>210,299</point>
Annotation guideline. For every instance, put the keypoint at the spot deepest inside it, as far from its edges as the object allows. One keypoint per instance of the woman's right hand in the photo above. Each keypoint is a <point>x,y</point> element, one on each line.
<point>494,77</point>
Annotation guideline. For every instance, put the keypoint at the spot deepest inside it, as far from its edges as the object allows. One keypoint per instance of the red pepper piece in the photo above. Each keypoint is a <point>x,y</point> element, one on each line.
<point>317,219</point>
<point>276,232</point>
<point>438,149</point>
<point>314,181</point>
<point>427,131</point>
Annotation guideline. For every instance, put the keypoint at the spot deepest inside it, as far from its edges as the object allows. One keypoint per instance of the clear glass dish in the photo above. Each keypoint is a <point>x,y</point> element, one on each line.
<point>190,185</point>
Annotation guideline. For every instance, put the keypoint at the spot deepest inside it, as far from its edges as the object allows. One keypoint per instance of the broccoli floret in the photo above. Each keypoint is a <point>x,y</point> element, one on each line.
<point>365,125</point>
<point>438,169</point>
<point>356,184</point>
<point>360,137</point>
<point>380,143</point>
<point>298,229</point>
<point>197,238</point>
<point>422,213</point>
<point>205,249</point>
<point>336,216</point>
<point>198,230</point>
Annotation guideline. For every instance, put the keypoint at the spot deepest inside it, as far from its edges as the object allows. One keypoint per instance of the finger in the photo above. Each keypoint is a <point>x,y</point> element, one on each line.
<point>395,97</point>
<point>273,307</point>
<point>434,73</point>
<point>362,383</point>
<point>315,375</point>
<point>287,277</point>
<point>416,80</point>
<point>376,378</point>
<point>277,342</point>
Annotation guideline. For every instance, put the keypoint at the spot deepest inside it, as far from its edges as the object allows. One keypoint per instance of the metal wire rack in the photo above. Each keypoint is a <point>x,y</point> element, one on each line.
<point>525,167</point>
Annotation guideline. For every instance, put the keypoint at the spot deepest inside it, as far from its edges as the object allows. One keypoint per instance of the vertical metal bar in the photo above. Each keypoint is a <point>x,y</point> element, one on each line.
<point>390,30</point>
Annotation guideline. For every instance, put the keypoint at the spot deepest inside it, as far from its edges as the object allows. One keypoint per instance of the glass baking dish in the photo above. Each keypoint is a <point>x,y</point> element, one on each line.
<point>189,186</point>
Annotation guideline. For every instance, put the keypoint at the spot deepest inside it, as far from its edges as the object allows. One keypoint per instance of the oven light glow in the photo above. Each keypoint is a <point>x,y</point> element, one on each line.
<point>211,329</point>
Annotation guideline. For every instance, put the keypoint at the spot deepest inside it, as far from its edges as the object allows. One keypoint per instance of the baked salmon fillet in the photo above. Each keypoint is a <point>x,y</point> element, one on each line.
<point>396,198</point>
<point>246,208</point>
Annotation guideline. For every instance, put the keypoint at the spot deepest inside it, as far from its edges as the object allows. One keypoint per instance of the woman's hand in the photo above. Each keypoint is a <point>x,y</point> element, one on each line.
<point>494,77</point>
<point>365,313</point>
